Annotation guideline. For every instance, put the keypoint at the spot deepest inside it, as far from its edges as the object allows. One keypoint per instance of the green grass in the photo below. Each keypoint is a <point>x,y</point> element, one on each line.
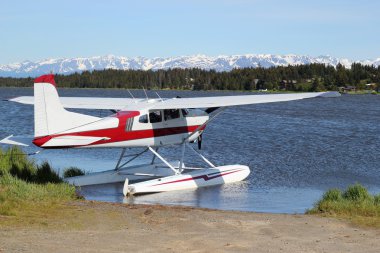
<point>17,196</point>
<point>16,163</point>
<point>24,185</point>
<point>355,204</point>
<point>363,92</point>
<point>73,172</point>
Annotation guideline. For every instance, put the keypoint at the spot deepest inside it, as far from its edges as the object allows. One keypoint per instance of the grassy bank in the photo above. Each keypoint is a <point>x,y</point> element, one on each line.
<point>354,204</point>
<point>363,92</point>
<point>27,187</point>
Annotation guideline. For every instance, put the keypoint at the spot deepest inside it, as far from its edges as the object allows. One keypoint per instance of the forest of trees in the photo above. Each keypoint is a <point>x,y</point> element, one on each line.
<point>311,77</point>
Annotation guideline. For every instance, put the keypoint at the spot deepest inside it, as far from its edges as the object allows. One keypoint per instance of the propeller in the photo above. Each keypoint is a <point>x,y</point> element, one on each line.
<point>199,142</point>
<point>199,139</point>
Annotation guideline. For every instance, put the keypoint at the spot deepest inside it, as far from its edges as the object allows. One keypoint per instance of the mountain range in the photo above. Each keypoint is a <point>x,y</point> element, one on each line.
<point>218,63</point>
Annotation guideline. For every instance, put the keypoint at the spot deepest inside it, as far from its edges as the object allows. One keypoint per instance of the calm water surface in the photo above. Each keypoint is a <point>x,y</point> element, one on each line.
<point>296,150</point>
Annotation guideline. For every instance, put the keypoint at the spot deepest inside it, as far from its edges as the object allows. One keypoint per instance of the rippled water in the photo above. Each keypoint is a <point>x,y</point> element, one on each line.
<point>296,150</point>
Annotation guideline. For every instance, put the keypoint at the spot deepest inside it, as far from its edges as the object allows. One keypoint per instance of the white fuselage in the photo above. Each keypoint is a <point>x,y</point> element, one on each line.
<point>131,129</point>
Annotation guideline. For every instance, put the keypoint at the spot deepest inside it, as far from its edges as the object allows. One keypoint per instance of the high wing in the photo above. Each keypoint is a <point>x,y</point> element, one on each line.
<point>223,101</point>
<point>177,103</point>
<point>85,102</point>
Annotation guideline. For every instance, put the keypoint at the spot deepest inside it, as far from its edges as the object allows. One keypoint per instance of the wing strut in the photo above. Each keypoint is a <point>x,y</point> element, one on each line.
<point>122,155</point>
<point>164,161</point>
<point>201,156</point>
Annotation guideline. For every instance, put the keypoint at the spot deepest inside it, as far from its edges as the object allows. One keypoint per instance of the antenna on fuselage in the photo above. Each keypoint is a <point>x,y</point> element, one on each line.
<point>159,96</point>
<point>130,93</point>
<point>146,95</point>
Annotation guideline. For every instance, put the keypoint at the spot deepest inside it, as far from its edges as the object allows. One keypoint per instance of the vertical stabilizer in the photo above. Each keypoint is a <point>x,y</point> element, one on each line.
<point>49,115</point>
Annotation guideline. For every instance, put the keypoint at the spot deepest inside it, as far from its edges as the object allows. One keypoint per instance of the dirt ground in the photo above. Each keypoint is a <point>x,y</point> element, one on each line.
<point>86,226</point>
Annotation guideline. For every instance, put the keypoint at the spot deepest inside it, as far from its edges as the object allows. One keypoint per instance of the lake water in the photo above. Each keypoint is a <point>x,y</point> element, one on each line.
<point>296,150</point>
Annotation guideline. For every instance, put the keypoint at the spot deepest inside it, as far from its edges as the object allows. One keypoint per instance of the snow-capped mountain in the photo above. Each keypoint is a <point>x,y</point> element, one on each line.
<point>218,63</point>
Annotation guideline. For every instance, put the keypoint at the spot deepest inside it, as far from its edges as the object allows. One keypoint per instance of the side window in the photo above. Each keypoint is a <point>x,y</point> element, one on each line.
<point>143,118</point>
<point>155,116</point>
<point>171,114</point>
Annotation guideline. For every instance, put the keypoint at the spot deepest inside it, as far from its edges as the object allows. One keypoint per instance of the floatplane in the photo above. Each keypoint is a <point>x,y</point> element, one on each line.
<point>138,123</point>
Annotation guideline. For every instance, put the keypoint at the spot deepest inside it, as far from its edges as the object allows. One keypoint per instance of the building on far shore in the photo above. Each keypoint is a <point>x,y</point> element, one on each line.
<point>371,86</point>
<point>347,89</point>
<point>285,84</point>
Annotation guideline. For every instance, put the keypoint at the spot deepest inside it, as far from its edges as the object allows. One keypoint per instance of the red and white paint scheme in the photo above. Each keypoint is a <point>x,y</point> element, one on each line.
<point>136,123</point>
<point>137,126</point>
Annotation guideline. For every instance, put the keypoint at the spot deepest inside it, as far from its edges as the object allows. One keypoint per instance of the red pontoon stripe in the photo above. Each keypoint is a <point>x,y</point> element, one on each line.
<point>205,178</point>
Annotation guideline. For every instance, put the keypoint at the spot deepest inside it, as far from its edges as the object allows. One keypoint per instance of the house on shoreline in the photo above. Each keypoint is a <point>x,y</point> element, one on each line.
<point>347,89</point>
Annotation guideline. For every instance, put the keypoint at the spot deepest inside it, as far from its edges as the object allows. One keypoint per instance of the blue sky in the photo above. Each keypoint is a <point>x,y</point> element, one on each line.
<point>40,29</point>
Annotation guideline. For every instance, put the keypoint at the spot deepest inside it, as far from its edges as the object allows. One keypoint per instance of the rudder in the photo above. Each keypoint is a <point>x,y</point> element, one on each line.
<point>49,115</point>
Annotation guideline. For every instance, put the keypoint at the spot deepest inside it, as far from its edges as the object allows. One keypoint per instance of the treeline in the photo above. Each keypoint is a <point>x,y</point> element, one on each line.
<point>311,77</point>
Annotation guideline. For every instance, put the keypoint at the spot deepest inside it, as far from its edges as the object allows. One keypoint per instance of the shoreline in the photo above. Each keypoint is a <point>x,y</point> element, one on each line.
<point>92,226</point>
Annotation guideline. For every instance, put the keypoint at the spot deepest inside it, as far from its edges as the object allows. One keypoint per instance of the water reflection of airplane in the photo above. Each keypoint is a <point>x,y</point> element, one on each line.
<point>148,123</point>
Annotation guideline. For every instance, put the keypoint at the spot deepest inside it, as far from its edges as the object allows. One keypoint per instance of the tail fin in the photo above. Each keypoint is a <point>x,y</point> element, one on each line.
<point>49,115</point>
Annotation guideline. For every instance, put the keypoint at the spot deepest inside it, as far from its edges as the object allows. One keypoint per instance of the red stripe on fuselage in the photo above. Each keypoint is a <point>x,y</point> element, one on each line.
<point>119,133</point>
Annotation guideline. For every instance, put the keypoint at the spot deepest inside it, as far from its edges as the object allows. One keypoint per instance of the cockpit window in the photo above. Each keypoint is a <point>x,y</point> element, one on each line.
<point>194,113</point>
<point>143,118</point>
<point>155,116</point>
<point>171,114</point>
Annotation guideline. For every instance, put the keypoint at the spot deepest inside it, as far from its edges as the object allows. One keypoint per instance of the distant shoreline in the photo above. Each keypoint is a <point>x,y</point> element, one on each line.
<point>299,78</point>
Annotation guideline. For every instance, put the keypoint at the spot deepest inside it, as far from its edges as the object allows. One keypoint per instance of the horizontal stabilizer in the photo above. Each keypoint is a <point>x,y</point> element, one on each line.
<point>72,140</point>
<point>17,140</point>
